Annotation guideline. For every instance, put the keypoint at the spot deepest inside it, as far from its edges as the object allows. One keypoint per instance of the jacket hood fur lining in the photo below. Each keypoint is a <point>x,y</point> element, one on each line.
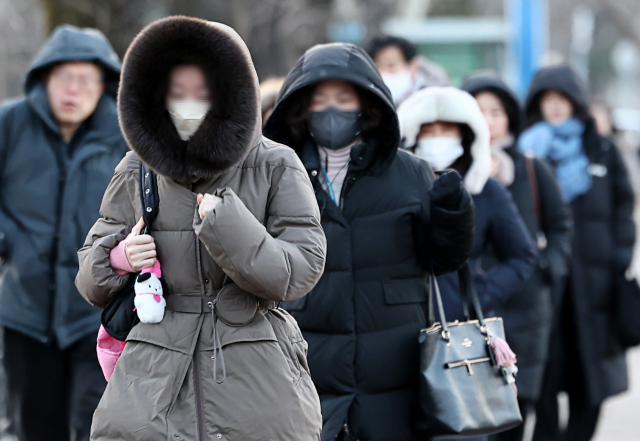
<point>452,105</point>
<point>229,128</point>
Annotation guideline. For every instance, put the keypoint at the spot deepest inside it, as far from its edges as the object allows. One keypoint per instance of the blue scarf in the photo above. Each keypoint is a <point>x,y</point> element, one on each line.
<point>562,146</point>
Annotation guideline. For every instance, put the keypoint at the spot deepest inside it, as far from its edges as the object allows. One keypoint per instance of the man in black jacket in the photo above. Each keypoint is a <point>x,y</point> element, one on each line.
<point>59,145</point>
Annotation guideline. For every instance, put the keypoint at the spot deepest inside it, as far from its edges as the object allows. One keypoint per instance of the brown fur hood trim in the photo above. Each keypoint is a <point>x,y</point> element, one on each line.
<point>233,123</point>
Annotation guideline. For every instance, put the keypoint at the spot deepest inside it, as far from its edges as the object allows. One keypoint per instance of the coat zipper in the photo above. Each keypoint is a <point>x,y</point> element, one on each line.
<point>349,181</point>
<point>197,381</point>
<point>53,258</point>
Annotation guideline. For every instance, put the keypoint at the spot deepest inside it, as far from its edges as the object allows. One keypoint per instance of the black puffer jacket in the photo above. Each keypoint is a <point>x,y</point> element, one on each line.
<point>602,246</point>
<point>363,318</point>
<point>50,193</point>
<point>528,314</point>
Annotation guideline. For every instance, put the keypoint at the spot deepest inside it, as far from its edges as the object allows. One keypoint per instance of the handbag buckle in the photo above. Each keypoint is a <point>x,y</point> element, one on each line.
<point>467,363</point>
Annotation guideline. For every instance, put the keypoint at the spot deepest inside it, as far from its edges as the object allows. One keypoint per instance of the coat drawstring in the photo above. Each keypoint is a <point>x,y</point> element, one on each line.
<point>217,347</point>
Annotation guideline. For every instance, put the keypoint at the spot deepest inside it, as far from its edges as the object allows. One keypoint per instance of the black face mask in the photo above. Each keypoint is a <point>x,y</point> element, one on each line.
<point>334,128</point>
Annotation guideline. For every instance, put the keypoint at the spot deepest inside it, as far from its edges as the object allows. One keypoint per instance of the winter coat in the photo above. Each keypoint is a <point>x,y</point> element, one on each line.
<point>50,193</point>
<point>363,319</point>
<point>528,314</point>
<point>602,245</point>
<point>499,226</point>
<point>500,232</point>
<point>265,236</point>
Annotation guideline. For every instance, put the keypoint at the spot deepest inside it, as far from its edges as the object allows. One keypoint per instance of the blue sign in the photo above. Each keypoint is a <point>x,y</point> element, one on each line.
<point>529,23</point>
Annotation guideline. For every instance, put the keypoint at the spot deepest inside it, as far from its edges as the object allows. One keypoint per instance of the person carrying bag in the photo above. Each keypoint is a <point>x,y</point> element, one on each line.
<point>237,230</point>
<point>466,371</point>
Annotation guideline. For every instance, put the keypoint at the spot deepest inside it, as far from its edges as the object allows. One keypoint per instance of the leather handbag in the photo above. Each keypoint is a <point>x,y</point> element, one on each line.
<point>627,319</point>
<point>120,315</point>
<point>462,392</point>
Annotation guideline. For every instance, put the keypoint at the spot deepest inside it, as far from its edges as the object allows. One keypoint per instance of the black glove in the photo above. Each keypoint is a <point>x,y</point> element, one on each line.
<point>447,191</point>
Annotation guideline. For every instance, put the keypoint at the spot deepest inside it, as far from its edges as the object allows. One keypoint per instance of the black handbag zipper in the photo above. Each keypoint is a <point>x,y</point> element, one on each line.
<point>437,326</point>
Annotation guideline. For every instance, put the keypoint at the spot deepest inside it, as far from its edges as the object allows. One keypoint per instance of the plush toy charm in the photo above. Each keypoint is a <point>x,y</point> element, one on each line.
<point>149,301</point>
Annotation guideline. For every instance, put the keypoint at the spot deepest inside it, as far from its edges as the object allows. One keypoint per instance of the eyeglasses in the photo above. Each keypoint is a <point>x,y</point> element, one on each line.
<point>85,82</point>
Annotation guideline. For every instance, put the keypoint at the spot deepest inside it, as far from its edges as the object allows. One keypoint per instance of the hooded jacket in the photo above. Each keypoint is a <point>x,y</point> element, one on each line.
<point>451,105</point>
<point>498,223</point>
<point>50,193</point>
<point>528,314</point>
<point>602,244</point>
<point>177,379</point>
<point>363,319</point>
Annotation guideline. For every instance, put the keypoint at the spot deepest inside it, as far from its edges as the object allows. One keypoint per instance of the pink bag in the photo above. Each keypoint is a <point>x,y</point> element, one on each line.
<point>109,350</point>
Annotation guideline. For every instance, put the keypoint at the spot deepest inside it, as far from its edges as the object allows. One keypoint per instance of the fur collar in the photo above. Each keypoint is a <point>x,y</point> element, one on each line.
<point>231,127</point>
<point>451,105</point>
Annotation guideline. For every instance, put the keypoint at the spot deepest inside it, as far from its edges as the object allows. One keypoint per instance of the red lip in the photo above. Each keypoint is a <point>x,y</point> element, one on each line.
<point>69,104</point>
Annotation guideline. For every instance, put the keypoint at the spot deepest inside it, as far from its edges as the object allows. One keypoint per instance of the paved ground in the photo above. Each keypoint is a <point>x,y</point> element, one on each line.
<point>620,420</point>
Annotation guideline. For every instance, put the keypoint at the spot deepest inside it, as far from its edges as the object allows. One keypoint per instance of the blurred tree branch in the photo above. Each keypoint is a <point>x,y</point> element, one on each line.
<point>21,33</point>
<point>627,12</point>
<point>276,31</point>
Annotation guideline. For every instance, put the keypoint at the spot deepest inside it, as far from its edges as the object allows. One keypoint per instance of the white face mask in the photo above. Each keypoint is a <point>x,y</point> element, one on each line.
<point>439,152</point>
<point>187,115</point>
<point>399,84</point>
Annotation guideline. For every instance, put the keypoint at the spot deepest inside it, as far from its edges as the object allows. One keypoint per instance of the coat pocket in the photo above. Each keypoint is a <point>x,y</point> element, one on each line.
<point>291,341</point>
<point>405,291</point>
<point>144,385</point>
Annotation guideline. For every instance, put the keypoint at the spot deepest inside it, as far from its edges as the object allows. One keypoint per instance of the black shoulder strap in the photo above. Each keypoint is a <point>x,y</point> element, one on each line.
<point>533,183</point>
<point>149,196</point>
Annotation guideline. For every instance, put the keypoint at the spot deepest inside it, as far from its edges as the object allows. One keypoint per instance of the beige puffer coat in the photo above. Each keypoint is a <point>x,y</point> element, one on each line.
<point>265,236</point>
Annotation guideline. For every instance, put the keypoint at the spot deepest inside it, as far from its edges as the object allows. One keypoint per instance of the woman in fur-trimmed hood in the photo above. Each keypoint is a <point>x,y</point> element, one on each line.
<point>444,126</point>
<point>234,208</point>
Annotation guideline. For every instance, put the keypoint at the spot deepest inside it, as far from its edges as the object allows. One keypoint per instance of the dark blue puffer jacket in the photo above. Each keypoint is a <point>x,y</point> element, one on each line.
<point>50,194</point>
<point>501,230</point>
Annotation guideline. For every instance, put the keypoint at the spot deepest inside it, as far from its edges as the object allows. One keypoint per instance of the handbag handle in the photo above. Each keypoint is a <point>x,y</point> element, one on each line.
<point>467,289</point>
<point>433,286</point>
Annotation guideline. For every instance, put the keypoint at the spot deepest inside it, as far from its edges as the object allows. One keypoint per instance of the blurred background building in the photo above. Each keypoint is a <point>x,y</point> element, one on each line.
<point>600,38</point>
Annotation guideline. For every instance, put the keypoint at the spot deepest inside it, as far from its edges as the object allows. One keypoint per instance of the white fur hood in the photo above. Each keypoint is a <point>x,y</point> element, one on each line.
<point>451,105</point>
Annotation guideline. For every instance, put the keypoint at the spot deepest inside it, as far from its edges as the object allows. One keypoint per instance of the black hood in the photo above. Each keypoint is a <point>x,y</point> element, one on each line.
<point>231,127</point>
<point>487,83</point>
<point>338,61</point>
<point>564,80</point>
